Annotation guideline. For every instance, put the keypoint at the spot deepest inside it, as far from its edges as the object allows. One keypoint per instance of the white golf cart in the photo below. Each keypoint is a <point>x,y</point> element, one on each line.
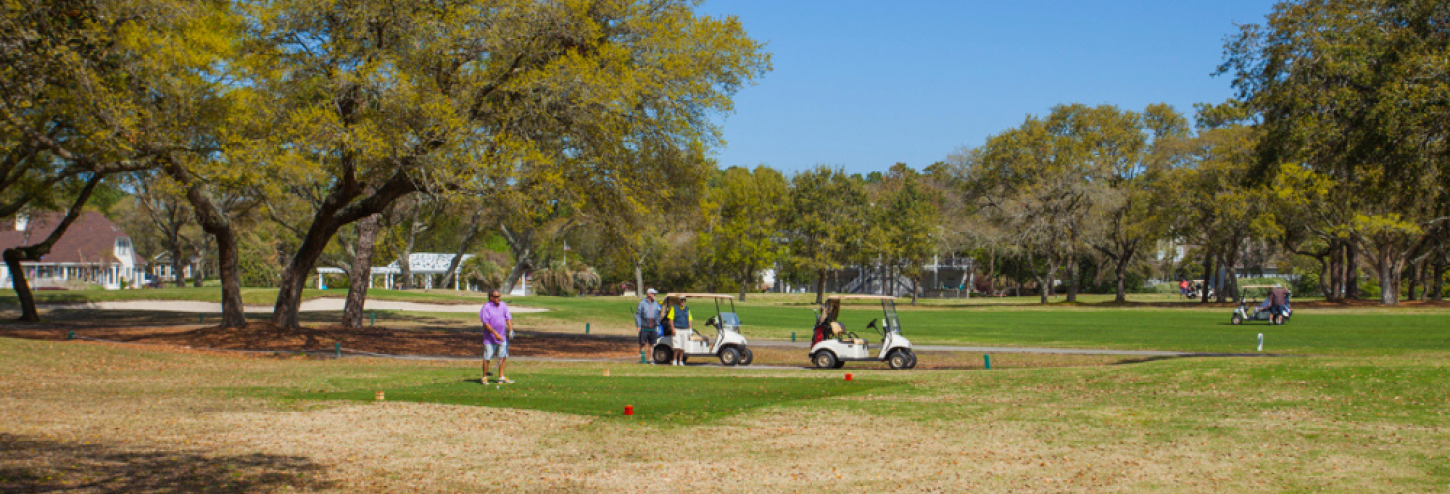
<point>832,346</point>
<point>1248,310</point>
<point>728,345</point>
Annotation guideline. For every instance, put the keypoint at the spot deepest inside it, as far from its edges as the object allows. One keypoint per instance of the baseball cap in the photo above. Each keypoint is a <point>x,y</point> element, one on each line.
<point>651,291</point>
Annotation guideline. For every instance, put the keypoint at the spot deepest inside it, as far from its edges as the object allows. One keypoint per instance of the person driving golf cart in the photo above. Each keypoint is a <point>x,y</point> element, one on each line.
<point>832,345</point>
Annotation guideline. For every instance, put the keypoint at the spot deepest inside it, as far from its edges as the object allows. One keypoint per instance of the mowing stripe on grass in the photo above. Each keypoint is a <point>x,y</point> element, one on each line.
<point>672,400</point>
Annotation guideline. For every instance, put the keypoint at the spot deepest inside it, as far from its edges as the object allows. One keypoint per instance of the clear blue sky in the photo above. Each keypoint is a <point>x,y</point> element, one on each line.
<point>865,84</point>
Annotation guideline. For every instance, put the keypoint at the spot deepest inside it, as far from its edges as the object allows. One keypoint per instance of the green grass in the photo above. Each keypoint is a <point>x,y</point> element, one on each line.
<point>678,400</point>
<point>1344,423</point>
<point>1187,328</point>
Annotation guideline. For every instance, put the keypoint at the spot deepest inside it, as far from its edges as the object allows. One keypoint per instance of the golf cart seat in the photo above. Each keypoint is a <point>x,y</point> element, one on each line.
<point>853,341</point>
<point>697,337</point>
<point>837,330</point>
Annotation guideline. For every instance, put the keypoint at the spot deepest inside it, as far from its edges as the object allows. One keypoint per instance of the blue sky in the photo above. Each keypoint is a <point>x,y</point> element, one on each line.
<point>865,84</point>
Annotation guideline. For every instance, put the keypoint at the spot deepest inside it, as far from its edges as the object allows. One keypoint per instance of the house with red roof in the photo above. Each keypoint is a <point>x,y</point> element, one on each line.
<point>92,250</point>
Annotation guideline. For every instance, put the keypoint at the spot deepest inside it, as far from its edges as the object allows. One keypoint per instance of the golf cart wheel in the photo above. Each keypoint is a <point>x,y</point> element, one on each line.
<point>825,359</point>
<point>746,356</point>
<point>839,364</point>
<point>1236,320</point>
<point>729,356</point>
<point>898,360</point>
<point>663,354</point>
<point>911,354</point>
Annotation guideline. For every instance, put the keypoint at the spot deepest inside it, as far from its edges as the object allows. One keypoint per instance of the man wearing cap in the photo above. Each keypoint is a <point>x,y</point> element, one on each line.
<point>647,319</point>
<point>498,328</point>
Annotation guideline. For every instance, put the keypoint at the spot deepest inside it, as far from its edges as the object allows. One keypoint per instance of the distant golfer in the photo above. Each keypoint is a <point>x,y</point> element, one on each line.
<point>647,318</point>
<point>1278,301</point>
<point>498,328</point>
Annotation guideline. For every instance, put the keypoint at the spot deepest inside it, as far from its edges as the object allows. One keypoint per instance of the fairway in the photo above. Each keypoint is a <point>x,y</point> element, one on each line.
<point>669,399</point>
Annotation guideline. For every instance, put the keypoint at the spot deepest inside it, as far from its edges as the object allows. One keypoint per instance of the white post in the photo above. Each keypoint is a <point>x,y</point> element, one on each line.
<point>1261,342</point>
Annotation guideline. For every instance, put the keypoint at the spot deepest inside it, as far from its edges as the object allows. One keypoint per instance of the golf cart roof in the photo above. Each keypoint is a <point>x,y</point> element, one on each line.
<point>1262,286</point>
<point>860,297</point>
<point>699,295</point>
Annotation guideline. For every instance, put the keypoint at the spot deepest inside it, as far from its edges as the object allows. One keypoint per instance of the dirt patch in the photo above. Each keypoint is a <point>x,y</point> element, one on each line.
<point>374,339</point>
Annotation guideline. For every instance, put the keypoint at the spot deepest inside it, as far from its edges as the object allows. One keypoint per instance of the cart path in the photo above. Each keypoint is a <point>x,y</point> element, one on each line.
<point>313,305</point>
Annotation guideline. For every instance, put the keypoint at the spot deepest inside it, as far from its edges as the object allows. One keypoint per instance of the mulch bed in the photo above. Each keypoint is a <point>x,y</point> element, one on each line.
<point>374,339</point>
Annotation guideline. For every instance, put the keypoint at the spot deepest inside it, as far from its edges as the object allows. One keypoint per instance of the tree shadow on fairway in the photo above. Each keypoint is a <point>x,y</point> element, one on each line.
<point>37,465</point>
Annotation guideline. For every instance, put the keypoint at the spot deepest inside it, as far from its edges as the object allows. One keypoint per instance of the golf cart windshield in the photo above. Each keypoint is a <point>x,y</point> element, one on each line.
<point>889,322</point>
<point>728,320</point>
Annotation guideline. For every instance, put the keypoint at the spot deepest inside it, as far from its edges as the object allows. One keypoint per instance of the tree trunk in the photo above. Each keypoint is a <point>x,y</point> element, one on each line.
<point>177,268</point>
<point>992,271</point>
<point>745,280</point>
<point>639,276</point>
<point>1323,272</point>
<point>1435,283</point>
<point>1415,274</point>
<point>231,276</point>
<point>1120,270</point>
<point>214,222</point>
<point>520,267</point>
<point>361,273</point>
<point>1207,276</point>
<point>1351,272</point>
<point>915,287</point>
<point>1230,289</point>
<point>1389,293</point>
<point>820,286</point>
<point>198,267</point>
<point>1336,272</point>
<point>21,286</point>
<point>405,266</point>
<point>1072,279</point>
<point>333,214</point>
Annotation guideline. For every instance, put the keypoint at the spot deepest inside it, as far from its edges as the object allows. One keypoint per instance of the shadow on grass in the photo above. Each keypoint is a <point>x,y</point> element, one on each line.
<point>32,465</point>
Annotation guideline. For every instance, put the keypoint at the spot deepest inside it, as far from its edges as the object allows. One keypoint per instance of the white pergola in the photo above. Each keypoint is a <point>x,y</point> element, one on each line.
<point>427,264</point>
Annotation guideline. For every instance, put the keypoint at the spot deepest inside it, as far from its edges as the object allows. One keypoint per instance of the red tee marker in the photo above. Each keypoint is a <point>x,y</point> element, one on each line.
<point>629,409</point>
<point>848,376</point>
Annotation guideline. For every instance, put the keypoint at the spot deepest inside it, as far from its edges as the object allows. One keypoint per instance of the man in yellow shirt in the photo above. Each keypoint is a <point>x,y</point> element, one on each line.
<point>679,315</point>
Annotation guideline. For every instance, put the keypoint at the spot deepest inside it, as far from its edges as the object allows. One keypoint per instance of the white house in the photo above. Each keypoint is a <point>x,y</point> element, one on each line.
<point>92,250</point>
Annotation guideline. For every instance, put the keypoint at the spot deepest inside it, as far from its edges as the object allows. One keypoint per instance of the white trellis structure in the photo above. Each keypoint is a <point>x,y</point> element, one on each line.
<point>428,265</point>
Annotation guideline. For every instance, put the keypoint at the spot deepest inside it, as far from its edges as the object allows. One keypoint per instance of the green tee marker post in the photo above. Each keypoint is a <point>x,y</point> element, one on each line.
<point>372,318</point>
<point>337,350</point>
<point>586,328</point>
<point>71,335</point>
<point>987,359</point>
<point>201,319</point>
<point>792,336</point>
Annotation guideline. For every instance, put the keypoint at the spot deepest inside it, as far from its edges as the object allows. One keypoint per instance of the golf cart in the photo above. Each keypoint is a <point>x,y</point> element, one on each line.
<point>728,345</point>
<point>1249,311</point>
<point>832,346</point>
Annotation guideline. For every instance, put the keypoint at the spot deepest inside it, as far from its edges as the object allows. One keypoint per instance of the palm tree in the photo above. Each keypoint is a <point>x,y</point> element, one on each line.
<point>483,273</point>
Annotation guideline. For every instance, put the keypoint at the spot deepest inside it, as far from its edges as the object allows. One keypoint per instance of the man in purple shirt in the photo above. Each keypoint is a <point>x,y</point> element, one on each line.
<point>498,327</point>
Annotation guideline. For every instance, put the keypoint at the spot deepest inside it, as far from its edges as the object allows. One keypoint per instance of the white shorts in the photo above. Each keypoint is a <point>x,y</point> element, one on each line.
<point>681,338</point>
<point>490,349</point>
